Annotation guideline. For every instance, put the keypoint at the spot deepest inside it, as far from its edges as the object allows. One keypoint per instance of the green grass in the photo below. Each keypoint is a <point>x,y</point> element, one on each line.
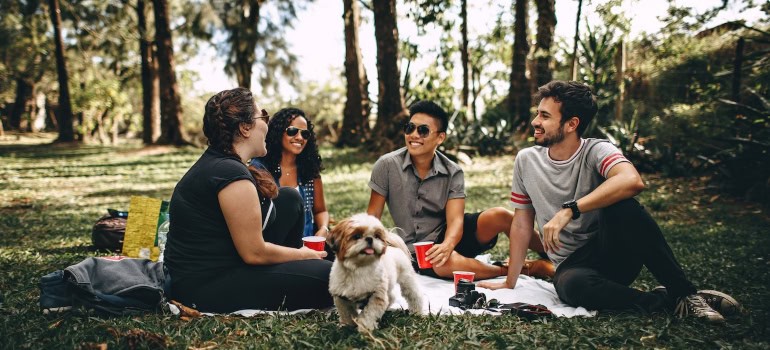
<point>50,196</point>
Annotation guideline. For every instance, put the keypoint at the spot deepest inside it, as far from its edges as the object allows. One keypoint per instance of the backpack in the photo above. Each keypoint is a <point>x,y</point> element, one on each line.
<point>107,285</point>
<point>109,230</point>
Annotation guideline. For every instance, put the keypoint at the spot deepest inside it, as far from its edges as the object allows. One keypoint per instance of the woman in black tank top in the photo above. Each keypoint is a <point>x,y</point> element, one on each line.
<point>218,259</point>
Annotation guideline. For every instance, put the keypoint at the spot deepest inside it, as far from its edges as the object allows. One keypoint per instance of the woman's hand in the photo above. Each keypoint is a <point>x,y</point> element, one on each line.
<point>308,253</point>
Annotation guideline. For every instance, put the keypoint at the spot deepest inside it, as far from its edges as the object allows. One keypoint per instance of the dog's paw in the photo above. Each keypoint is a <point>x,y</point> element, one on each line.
<point>347,323</point>
<point>365,326</point>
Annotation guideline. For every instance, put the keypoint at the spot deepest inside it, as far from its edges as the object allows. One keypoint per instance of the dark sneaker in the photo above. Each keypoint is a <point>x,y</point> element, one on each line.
<point>694,305</point>
<point>720,302</point>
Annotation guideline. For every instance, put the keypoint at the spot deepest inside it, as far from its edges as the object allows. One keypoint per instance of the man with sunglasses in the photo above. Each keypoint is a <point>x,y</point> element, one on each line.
<point>425,194</point>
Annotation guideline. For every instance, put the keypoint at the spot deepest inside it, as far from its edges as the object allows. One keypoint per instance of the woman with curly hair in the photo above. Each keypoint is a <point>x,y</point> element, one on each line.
<point>235,240</point>
<point>293,159</point>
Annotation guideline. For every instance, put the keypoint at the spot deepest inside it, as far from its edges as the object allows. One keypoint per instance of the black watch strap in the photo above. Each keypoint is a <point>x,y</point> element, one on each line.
<point>572,205</point>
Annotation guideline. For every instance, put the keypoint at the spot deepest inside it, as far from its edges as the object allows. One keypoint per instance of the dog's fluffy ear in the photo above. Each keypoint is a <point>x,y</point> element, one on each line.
<point>393,239</point>
<point>337,234</point>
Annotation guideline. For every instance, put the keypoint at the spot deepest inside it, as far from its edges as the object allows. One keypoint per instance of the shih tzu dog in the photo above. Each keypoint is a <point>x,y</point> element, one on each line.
<point>370,261</point>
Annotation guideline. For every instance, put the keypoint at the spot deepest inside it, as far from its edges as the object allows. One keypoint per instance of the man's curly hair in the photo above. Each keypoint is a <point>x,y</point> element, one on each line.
<point>309,165</point>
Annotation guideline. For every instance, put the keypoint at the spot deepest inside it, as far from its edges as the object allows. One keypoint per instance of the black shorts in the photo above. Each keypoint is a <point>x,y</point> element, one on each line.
<point>469,245</point>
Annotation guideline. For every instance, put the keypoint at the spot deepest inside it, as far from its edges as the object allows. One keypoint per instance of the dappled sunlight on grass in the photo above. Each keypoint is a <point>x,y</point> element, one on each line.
<point>50,197</point>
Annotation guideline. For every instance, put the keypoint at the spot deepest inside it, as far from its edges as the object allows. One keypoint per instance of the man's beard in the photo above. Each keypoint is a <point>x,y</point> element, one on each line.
<point>550,141</point>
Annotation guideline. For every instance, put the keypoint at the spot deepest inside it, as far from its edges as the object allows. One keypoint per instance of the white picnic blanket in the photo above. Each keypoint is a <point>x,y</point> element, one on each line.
<point>436,293</point>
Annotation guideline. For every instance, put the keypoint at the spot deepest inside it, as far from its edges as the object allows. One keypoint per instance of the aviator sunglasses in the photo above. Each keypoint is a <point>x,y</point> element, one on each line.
<point>423,130</point>
<point>265,116</point>
<point>293,130</point>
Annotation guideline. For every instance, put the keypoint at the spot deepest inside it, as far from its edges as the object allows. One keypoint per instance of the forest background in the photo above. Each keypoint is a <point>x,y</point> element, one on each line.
<point>686,96</point>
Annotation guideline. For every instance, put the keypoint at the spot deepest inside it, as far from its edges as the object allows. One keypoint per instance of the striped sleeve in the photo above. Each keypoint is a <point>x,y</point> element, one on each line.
<point>519,196</point>
<point>607,156</point>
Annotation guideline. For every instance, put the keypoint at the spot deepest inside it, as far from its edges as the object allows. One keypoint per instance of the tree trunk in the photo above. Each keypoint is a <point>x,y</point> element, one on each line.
<point>66,127</point>
<point>150,89</point>
<point>464,55</point>
<point>391,112</point>
<point>355,122</point>
<point>620,71</point>
<point>519,98</point>
<point>171,118</point>
<point>23,97</point>
<point>244,36</point>
<point>737,68</point>
<point>546,23</point>
<point>575,43</point>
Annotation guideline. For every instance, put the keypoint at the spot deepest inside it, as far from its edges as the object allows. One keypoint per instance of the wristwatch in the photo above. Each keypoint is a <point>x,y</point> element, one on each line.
<point>572,205</point>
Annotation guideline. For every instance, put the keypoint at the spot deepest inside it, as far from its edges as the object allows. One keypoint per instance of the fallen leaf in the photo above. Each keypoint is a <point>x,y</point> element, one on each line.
<point>55,324</point>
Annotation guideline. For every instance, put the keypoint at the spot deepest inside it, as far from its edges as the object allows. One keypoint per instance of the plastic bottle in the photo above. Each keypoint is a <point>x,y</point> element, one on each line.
<point>163,235</point>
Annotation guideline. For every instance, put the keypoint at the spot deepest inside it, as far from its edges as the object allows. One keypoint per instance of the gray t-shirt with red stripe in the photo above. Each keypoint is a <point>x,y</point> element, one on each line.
<point>544,184</point>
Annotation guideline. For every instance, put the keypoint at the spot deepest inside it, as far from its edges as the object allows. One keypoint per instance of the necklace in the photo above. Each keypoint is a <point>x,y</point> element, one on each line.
<point>280,171</point>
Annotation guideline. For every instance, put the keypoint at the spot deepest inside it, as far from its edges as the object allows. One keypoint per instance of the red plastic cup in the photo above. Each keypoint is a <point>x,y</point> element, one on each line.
<point>420,248</point>
<point>314,242</point>
<point>465,275</point>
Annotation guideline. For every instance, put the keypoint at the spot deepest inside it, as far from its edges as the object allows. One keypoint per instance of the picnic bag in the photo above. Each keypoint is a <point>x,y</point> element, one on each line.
<point>109,231</point>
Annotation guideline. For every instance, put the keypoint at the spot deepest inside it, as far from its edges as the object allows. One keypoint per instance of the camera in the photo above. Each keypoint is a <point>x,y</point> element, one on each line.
<point>467,297</point>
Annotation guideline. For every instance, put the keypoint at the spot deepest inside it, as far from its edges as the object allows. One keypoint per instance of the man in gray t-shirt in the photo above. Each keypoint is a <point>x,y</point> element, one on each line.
<point>581,192</point>
<point>425,194</point>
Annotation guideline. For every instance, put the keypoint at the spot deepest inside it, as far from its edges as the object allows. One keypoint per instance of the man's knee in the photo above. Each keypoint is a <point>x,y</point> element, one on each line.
<point>574,286</point>
<point>494,221</point>
<point>627,206</point>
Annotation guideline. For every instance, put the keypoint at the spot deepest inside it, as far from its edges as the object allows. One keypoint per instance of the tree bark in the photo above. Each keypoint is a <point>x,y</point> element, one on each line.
<point>546,23</point>
<point>66,127</point>
<point>171,118</point>
<point>737,68</point>
<point>575,43</point>
<point>464,55</point>
<point>23,98</point>
<point>150,88</point>
<point>244,37</point>
<point>355,122</point>
<point>391,112</point>
<point>519,98</point>
<point>620,72</point>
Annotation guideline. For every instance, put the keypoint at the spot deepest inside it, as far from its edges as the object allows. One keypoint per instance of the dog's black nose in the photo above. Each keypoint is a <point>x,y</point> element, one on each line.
<point>369,240</point>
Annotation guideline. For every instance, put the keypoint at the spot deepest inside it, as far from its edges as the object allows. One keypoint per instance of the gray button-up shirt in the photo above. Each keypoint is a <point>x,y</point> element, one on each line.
<point>417,206</point>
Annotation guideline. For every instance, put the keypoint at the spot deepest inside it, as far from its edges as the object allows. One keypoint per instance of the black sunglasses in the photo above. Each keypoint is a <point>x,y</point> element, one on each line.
<point>292,131</point>
<point>423,130</point>
<point>264,116</point>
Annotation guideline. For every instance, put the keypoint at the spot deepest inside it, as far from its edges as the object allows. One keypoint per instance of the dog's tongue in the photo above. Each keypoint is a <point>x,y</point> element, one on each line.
<point>369,251</point>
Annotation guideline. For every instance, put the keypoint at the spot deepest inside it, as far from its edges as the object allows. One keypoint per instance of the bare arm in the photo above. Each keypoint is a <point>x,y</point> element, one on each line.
<point>623,182</point>
<point>522,230</point>
<point>320,214</point>
<point>376,205</point>
<point>455,214</point>
<point>240,206</point>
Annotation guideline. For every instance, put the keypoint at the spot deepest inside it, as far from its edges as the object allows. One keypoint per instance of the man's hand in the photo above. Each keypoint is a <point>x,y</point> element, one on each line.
<point>493,285</point>
<point>439,253</point>
<point>552,229</point>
